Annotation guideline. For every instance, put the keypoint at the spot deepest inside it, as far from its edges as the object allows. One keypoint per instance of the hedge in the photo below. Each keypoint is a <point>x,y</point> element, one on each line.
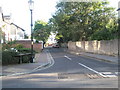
<point>8,58</point>
<point>25,50</point>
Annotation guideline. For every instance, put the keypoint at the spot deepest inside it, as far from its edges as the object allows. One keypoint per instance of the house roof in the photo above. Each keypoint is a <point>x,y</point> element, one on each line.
<point>17,26</point>
<point>4,17</point>
<point>1,13</point>
<point>118,9</point>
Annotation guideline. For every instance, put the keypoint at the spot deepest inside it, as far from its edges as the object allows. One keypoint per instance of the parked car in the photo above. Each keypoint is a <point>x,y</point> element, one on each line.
<point>55,46</point>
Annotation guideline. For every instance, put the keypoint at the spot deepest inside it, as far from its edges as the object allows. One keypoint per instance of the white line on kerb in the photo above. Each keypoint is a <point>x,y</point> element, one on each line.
<point>51,61</point>
<point>67,57</point>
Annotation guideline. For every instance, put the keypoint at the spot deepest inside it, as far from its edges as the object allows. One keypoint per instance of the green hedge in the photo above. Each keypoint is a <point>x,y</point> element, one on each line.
<point>11,49</point>
<point>25,50</point>
<point>8,58</point>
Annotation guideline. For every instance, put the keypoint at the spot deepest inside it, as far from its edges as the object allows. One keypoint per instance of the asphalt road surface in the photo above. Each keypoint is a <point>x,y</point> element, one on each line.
<point>68,71</point>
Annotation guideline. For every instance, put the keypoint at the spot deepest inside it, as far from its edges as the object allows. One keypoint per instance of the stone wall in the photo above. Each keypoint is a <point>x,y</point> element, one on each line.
<point>72,45</point>
<point>108,47</point>
<point>64,45</point>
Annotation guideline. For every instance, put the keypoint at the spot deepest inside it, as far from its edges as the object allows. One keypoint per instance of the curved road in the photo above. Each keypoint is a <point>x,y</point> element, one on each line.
<point>68,71</point>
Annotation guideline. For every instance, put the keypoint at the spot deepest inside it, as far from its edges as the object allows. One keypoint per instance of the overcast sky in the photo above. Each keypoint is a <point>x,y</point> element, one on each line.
<point>43,10</point>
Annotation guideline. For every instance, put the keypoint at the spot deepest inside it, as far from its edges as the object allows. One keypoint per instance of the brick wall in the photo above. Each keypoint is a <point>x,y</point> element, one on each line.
<point>27,44</point>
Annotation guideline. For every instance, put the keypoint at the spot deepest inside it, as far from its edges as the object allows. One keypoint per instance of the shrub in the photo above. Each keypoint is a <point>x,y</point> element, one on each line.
<point>11,50</point>
<point>18,46</point>
<point>25,50</point>
<point>11,42</point>
<point>8,57</point>
<point>26,59</point>
<point>6,46</point>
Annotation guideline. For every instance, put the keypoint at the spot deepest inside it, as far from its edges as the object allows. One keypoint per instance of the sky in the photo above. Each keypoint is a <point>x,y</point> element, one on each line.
<point>20,13</point>
<point>43,10</point>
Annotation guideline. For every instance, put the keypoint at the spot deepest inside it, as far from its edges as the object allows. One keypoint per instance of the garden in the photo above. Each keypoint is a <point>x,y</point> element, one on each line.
<point>12,49</point>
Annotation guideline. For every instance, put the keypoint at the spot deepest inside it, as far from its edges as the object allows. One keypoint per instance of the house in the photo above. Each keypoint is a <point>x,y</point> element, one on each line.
<point>2,24</point>
<point>10,31</point>
<point>51,40</point>
<point>17,32</point>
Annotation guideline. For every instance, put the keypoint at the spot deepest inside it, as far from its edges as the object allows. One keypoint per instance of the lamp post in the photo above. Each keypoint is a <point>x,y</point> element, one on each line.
<point>118,33</point>
<point>118,36</point>
<point>30,2</point>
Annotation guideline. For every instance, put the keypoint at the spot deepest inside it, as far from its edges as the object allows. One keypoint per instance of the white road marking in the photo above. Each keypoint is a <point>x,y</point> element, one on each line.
<point>109,74</point>
<point>102,74</point>
<point>88,68</point>
<point>67,57</point>
<point>117,73</point>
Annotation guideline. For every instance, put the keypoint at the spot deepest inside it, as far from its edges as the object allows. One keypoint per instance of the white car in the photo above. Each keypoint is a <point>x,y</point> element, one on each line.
<point>55,46</point>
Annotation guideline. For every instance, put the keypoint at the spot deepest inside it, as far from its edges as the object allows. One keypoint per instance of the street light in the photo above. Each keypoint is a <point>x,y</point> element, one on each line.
<point>118,32</point>
<point>118,9</point>
<point>30,2</point>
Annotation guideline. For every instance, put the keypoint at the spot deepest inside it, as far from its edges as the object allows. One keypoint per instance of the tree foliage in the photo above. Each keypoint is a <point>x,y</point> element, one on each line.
<point>84,21</point>
<point>41,30</point>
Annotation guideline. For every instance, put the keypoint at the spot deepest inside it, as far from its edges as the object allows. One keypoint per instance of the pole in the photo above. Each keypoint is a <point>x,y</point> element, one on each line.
<point>31,39</point>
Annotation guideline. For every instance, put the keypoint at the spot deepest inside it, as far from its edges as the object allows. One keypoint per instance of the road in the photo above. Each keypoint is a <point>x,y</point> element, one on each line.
<point>68,71</point>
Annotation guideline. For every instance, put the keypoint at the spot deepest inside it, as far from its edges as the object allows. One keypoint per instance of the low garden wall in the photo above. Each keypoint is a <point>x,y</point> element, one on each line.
<point>27,44</point>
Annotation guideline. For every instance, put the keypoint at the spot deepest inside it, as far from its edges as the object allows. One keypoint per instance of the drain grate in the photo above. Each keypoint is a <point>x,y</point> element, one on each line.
<point>63,76</point>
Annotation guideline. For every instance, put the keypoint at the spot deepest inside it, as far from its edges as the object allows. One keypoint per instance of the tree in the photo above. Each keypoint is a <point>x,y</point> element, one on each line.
<point>41,30</point>
<point>26,36</point>
<point>84,21</point>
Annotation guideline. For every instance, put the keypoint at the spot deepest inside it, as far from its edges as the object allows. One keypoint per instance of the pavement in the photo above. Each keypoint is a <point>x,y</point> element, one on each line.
<point>40,61</point>
<point>43,60</point>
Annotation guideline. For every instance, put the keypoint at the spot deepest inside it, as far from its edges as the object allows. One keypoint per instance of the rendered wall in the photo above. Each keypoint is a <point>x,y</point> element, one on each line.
<point>108,47</point>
